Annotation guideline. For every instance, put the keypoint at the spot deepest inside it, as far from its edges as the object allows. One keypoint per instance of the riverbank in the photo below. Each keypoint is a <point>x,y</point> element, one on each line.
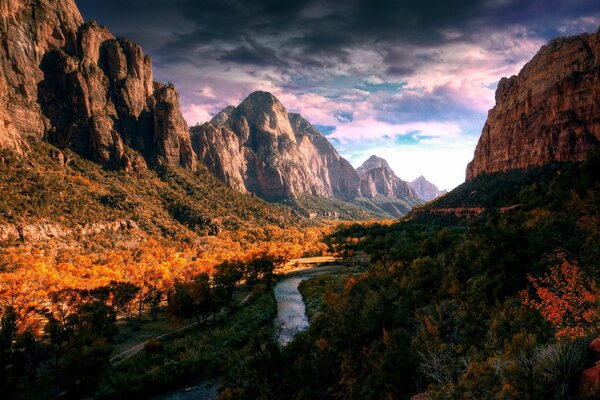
<point>181,361</point>
<point>292,316</point>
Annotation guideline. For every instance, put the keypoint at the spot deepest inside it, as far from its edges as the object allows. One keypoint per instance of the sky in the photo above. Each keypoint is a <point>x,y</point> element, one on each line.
<point>408,80</point>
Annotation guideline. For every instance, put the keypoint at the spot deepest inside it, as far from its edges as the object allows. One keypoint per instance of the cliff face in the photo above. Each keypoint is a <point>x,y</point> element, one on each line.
<point>258,147</point>
<point>549,112</point>
<point>426,190</point>
<point>377,178</point>
<point>77,86</point>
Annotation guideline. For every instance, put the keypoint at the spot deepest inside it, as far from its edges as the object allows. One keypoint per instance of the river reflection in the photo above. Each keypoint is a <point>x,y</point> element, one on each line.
<point>291,313</point>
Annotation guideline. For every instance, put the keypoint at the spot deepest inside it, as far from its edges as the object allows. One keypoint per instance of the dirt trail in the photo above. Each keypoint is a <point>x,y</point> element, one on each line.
<point>133,350</point>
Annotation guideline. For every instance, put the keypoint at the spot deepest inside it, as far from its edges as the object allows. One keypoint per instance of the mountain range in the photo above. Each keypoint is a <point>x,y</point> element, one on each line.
<point>76,86</point>
<point>259,147</point>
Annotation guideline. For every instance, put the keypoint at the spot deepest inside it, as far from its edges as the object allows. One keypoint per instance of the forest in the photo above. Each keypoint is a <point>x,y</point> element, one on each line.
<point>60,310</point>
<point>502,305</point>
<point>497,304</point>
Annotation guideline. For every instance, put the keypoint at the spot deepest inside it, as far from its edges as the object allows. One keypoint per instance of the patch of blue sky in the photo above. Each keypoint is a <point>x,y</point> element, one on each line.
<point>409,139</point>
<point>325,130</point>
<point>387,87</point>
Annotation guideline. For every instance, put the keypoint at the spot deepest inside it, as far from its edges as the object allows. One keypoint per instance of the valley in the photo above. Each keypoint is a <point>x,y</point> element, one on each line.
<point>272,252</point>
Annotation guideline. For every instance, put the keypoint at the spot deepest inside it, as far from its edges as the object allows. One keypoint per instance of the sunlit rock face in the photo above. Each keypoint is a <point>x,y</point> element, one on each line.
<point>77,86</point>
<point>377,178</point>
<point>549,112</point>
<point>259,147</point>
<point>425,190</point>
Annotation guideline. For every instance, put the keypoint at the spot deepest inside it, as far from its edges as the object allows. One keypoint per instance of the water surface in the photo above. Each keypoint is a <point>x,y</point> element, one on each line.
<point>291,312</point>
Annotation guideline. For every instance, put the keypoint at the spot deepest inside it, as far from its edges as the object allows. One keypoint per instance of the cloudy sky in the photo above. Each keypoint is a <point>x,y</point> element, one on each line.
<point>408,80</point>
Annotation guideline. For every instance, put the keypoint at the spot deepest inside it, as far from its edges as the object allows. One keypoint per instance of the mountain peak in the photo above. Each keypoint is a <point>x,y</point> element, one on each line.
<point>371,163</point>
<point>425,190</point>
<point>262,98</point>
<point>541,115</point>
<point>259,147</point>
<point>80,87</point>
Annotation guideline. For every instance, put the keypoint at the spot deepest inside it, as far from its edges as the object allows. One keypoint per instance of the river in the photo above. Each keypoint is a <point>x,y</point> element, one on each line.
<point>291,312</point>
<point>291,319</point>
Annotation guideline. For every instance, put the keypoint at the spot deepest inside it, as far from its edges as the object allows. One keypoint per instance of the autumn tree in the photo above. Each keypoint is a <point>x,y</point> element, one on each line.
<point>565,298</point>
<point>227,276</point>
<point>260,270</point>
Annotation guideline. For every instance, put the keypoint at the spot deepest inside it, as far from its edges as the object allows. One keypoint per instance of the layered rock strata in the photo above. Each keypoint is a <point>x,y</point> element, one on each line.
<point>377,178</point>
<point>549,112</point>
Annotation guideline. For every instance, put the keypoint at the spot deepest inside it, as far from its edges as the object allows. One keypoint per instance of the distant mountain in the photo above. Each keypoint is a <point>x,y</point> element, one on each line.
<point>377,178</point>
<point>382,191</point>
<point>78,87</point>
<point>549,112</point>
<point>258,147</point>
<point>425,190</point>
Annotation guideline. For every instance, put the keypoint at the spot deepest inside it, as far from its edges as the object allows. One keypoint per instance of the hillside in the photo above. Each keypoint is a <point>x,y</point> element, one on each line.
<point>490,291</point>
<point>61,189</point>
<point>454,303</point>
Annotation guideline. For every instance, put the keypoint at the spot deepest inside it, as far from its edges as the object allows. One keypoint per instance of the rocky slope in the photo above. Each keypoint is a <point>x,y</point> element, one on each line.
<point>425,190</point>
<point>548,112</point>
<point>258,147</point>
<point>78,87</point>
<point>377,178</point>
<point>382,192</point>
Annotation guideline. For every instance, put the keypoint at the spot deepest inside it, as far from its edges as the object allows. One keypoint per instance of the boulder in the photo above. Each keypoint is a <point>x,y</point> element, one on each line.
<point>589,383</point>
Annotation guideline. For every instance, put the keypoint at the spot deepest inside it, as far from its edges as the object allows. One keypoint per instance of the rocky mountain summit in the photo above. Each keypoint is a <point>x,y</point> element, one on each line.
<point>549,112</point>
<point>426,190</point>
<point>77,86</point>
<point>377,178</point>
<point>259,147</point>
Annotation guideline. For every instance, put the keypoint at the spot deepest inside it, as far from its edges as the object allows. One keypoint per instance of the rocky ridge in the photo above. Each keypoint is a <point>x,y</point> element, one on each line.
<point>77,86</point>
<point>426,190</point>
<point>547,113</point>
<point>30,233</point>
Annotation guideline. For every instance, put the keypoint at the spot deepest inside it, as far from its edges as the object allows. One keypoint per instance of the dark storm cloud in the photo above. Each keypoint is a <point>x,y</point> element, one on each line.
<point>203,29</point>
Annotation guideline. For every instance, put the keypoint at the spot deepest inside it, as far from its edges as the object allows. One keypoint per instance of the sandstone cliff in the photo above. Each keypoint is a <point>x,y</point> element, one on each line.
<point>425,190</point>
<point>258,147</point>
<point>377,178</point>
<point>548,112</point>
<point>77,86</point>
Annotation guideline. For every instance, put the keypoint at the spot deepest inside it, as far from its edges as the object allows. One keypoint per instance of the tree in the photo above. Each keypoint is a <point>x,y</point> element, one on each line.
<point>8,332</point>
<point>201,293</point>
<point>565,298</point>
<point>260,270</point>
<point>227,276</point>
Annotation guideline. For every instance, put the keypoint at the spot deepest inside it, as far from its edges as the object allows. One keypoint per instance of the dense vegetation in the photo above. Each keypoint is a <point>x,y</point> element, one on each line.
<point>207,354</point>
<point>501,305</point>
<point>71,329</point>
<point>59,186</point>
<point>498,302</point>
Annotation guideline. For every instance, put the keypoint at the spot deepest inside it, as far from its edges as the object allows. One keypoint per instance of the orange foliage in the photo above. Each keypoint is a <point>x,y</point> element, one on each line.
<point>565,298</point>
<point>28,276</point>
